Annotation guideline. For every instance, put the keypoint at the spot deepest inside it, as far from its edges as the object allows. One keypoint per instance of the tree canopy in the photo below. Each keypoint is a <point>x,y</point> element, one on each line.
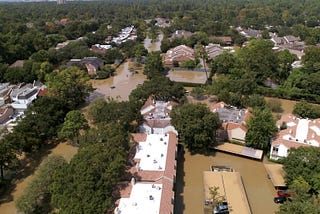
<point>303,178</point>
<point>71,85</point>
<point>74,122</point>
<point>160,88</point>
<point>36,197</point>
<point>196,126</point>
<point>261,127</point>
<point>86,184</point>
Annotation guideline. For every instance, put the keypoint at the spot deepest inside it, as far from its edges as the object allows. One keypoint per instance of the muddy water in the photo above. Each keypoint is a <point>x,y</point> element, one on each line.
<point>187,76</point>
<point>119,86</point>
<point>190,196</point>
<point>65,150</point>
<point>153,46</point>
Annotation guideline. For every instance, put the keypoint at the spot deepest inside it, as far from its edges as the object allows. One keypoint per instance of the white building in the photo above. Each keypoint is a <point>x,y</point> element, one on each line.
<point>298,132</point>
<point>23,95</point>
<point>156,116</point>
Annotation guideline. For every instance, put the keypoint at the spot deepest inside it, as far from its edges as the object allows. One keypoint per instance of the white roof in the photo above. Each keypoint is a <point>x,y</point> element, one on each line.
<point>302,130</point>
<point>144,198</point>
<point>153,152</point>
<point>316,129</point>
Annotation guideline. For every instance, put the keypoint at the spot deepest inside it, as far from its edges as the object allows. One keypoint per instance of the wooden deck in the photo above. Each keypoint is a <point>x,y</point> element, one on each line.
<point>240,150</point>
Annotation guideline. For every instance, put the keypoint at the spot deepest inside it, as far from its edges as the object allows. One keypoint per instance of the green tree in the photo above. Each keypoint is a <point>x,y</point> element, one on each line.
<point>196,126</point>
<point>306,110</point>
<point>261,127</point>
<point>258,57</point>
<point>223,63</point>
<point>8,155</point>
<point>73,124</point>
<point>303,162</point>
<point>311,59</point>
<point>45,68</point>
<point>36,197</point>
<point>160,88</point>
<point>298,207</point>
<point>154,66</point>
<point>126,114</point>
<point>109,134</point>
<point>86,184</point>
<point>215,196</point>
<point>71,85</point>
<point>302,177</point>
<point>40,123</point>
<point>285,59</point>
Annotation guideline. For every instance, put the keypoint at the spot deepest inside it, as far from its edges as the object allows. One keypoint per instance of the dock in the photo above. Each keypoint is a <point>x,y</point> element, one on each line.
<point>240,150</point>
<point>230,187</point>
<point>276,174</point>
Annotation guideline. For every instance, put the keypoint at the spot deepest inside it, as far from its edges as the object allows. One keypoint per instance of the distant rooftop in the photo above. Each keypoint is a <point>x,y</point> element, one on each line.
<point>231,114</point>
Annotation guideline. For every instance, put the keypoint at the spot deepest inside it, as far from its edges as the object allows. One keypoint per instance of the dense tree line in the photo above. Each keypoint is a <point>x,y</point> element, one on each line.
<point>247,70</point>
<point>28,28</point>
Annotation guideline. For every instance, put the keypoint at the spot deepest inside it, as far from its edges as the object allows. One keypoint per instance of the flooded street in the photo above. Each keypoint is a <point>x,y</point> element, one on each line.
<point>119,86</point>
<point>153,46</point>
<point>190,194</point>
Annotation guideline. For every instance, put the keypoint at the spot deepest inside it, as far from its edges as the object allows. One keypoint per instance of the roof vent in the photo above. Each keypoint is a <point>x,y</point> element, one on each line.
<point>151,197</point>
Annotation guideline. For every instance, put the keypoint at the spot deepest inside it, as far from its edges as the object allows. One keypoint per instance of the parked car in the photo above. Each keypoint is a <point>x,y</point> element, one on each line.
<point>281,199</point>
<point>283,193</point>
<point>221,208</point>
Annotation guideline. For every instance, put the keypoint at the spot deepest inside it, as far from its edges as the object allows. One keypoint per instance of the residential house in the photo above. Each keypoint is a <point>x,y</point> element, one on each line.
<point>289,39</point>
<point>179,54</point>
<point>277,41</point>
<point>65,43</point>
<point>181,34</point>
<point>23,95</point>
<point>5,114</point>
<point>127,33</point>
<point>233,120</point>
<point>294,132</point>
<point>163,22</point>
<point>214,50</point>
<point>92,64</point>
<point>156,115</point>
<point>100,49</point>
<point>227,40</point>
<point>5,90</point>
<point>250,33</point>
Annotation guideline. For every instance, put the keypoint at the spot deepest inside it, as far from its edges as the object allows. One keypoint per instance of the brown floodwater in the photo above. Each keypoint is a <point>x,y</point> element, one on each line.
<point>190,195</point>
<point>119,86</point>
<point>187,76</point>
<point>65,150</point>
<point>153,46</point>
